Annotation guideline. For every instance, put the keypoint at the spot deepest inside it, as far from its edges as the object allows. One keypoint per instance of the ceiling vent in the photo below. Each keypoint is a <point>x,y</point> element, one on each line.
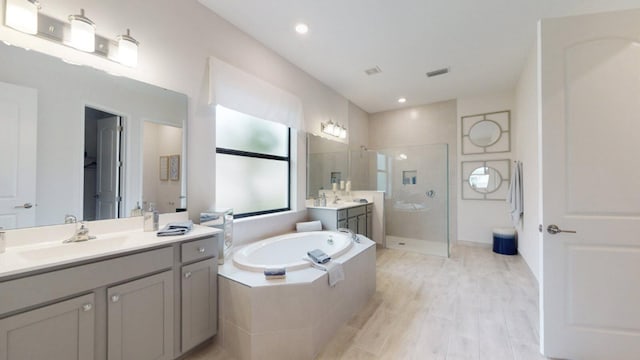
<point>438,72</point>
<point>373,71</point>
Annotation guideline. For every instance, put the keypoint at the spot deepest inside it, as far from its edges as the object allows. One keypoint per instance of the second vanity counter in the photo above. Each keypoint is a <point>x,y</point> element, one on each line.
<point>354,216</point>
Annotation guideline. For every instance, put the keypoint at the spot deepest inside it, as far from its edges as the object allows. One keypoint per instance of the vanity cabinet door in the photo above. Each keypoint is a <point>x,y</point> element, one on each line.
<point>352,224</point>
<point>362,224</point>
<point>140,319</point>
<point>61,331</point>
<point>199,302</point>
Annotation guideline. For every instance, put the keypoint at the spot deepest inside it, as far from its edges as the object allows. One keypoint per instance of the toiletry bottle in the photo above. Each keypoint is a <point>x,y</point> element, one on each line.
<point>323,201</point>
<point>151,218</point>
<point>3,242</point>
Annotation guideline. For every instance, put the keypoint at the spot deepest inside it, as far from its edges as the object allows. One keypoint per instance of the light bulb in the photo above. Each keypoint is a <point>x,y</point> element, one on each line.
<point>83,32</point>
<point>22,15</point>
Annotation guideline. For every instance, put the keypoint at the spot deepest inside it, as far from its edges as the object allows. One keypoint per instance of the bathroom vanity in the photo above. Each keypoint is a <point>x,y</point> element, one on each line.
<point>127,297</point>
<point>356,217</point>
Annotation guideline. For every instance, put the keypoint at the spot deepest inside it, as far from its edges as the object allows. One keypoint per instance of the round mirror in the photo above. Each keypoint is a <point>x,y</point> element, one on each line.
<point>485,133</point>
<point>485,179</point>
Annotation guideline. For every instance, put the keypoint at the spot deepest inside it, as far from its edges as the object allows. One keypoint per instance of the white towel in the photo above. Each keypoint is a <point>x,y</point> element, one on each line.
<point>333,269</point>
<point>309,226</point>
<point>515,196</point>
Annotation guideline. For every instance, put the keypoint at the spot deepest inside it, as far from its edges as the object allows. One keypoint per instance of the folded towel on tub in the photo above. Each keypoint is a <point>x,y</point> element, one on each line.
<point>309,226</point>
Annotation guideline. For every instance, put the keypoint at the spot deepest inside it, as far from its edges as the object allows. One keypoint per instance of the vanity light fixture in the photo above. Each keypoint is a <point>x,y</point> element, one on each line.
<point>334,129</point>
<point>128,49</point>
<point>22,15</point>
<point>83,32</point>
<point>78,31</point>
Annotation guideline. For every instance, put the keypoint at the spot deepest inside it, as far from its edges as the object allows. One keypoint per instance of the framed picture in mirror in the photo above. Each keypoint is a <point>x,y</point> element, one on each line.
<point>164,168</point>
<point>174,167</point>
<point>486,133</point>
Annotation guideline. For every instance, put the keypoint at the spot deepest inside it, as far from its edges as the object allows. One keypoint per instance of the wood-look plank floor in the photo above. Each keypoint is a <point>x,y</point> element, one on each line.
<point>475,305</point>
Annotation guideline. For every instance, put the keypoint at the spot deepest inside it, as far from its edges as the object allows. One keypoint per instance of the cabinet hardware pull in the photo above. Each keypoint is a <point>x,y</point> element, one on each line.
<point>115,298</point>
<point>87,307</point>
<point>201,250</point>
<point>187,274</point>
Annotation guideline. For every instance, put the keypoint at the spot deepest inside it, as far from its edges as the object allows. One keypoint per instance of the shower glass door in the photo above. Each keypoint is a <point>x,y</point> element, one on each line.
<point>415,181</point>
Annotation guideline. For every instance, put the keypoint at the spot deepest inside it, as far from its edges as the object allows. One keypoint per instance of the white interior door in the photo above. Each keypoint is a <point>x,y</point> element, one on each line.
<point>590,102</point>
<point>19,117</point>
<point>108,168</point>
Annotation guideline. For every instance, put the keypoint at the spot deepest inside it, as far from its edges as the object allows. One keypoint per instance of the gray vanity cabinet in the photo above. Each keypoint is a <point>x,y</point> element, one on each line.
<point>199,302</point>
<point>61,331</point>
<point>356,218</point>
<point>140,319</point>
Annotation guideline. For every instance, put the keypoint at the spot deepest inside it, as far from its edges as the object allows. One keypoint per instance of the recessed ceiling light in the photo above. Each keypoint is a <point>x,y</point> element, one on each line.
<point>402,100</point>
<point>302,28</point>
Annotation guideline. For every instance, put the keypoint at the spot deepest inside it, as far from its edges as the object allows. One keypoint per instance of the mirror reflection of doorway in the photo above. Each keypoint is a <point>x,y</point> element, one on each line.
<point>103,156</point>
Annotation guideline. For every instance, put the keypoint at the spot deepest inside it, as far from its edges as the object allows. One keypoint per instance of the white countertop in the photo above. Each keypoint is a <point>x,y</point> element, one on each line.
<point>339,206</point>
<point>22,259</point>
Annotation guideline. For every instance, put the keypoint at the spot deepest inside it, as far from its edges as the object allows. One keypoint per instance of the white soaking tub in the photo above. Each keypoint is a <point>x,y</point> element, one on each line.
<point>294,317</point>
<point>287,251</point>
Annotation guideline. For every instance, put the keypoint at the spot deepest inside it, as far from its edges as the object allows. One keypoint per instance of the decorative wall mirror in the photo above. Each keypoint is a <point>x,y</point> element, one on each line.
<point>485,180</point>
<point>486,133</point>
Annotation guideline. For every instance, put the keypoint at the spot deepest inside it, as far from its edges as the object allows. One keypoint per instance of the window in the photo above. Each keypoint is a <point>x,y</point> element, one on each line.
<point>252,164</point>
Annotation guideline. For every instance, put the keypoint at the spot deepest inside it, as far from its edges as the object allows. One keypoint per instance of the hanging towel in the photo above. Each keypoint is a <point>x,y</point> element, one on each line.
<point>515,197</point>
<point>333,269</point>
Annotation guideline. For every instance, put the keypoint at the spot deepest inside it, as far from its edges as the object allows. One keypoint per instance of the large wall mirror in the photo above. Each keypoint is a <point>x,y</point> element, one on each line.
<point>76,140</point>
<point>327,162</point>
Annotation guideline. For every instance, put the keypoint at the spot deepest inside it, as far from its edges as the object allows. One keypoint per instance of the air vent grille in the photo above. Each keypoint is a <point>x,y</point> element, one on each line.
<point>438,72</point>
<point>373,71</point>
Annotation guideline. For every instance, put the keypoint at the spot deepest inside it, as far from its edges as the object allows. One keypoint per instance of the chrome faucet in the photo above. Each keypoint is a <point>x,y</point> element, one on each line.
<point>335,198</point>
<point>70,219</point>
<point>81,234</point>
<point>352,234</point>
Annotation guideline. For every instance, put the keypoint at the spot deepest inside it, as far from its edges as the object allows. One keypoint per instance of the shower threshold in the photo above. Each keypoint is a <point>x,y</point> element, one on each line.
<point>428,247</point>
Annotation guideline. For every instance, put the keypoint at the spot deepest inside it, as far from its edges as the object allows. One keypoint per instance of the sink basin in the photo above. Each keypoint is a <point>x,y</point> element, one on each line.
<point>61,250</point>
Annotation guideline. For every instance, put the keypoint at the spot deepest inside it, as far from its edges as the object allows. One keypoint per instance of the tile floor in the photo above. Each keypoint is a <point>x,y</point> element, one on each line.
<point>474,305</point>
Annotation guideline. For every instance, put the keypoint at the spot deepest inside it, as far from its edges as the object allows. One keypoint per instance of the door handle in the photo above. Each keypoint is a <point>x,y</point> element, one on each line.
<point>25,206</point>
<point>554,229</point>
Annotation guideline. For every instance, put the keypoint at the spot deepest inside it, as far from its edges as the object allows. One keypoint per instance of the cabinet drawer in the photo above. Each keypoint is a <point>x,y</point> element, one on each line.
<point>351,212</point>
<point>198,249</point>
<point>342,214</point>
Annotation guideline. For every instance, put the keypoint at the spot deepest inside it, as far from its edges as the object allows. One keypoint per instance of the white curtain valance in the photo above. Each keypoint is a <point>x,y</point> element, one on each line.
<point>238,90</point>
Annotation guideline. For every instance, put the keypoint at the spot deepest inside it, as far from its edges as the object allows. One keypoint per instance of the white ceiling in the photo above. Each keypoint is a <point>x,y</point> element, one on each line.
<point>484,42</point>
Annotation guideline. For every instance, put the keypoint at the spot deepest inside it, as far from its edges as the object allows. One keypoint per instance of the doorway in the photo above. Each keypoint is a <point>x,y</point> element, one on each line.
<point>103,159</point>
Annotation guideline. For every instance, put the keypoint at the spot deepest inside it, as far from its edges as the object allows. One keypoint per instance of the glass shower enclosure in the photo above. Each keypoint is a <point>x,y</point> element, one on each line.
<point>415,181</point>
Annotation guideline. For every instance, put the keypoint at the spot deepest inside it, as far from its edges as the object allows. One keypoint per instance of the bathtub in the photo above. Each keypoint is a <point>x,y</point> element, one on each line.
<point>287,251</point>
<point>297,316</point>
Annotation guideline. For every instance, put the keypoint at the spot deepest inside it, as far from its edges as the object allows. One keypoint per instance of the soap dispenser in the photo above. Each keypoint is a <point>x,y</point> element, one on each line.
<point>151,218</point>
